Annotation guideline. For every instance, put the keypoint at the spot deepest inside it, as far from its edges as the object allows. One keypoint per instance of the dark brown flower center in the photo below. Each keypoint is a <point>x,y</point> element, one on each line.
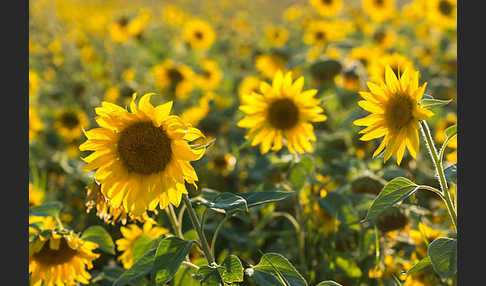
<point>48,256</point>
<point>123,21</point>
<point>445,7</point>
<point>69,120</point>
<point>144,148</point>
<point>351,75</point>
<point>199,35</point>
<point>379,36</point>
<point>399,111</point>
<point>283,114</point>
<point>175,75</point>
<point>326,2</point>
<point>320,35</point>
<point>206,74</point>
<point>379,2</point>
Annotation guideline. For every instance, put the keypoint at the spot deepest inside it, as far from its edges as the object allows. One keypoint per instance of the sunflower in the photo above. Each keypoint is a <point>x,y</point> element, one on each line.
<point>383,38</point>
<point>198,34</point>
<point>35,125</point>
<point>395,113</point>
<point>442,13</point>
<point>60,259</point>
<point>210,76</point>
<point>276,36</point>
<point>33,83</point>
<point>119,30</point>
<point>107,213</point>
<point>112,94</point>
<point>136,25</point>
<point>379,10</point>
<point>36,196</point>
<point>440,136</point>
<point>349,79</point>
<point>248,85</point>
<point>176,78</point>
<point>423,232</point>
<point>365,55</point>
<point>294,13</point>
<point>281,112</point>
<point>396,61</point>
<point>222,163</point>
<point>327,8</point>
<point>142,158</point>
<point>318,33</point>
<point>173,15</point>
<point>130,234</point>
<point>70,123</point>
<point>269,64</point>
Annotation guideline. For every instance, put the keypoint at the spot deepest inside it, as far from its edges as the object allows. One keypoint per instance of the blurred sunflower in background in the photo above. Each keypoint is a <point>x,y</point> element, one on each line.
<point>395,113</point>
<point>397,62</point>
<point>379,10</point>
<point>60,259</point>
<point>70,123</point>
<point>210,76</point>
<point>198,34</point>
<point>36,196</point>
<point>131,233</point>
<point>142,158</point>
<point>442,13</point>
<point>35,124</point>
<point>276,36</point>
<point>248,85</point>
<point>33,83</point>
<point>269,64</point>
<point>327,8</point>
<point>281,112</point>
<point>176,78</point>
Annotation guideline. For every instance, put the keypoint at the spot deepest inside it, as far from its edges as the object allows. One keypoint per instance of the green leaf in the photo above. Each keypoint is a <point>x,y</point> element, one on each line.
<point>328,283</point>
<point>140,268</point>
<point>168,258</point>
<point>111,273</point>
<point>300,172</point>
<point>233,270</point>
<point>46,209</point>
<point>349,267</point>
<point>443,255</point>
<point>258,198</point>
<point>451,131</point>
<point>419,265</point>
<point>227,203</point>
<point>142,245</point>
<point>432,102</point>
<point>209,276</point>
<point>100,236</point>
<point>394,191</point>
<point>278,266</point>
<point>338,206</point>
<point>451,173</point>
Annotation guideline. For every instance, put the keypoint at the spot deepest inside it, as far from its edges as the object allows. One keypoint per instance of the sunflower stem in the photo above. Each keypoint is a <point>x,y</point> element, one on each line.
<point>173,221</point>
<point>195,222</point>
<point>215,236</point>
<point>446,196</point>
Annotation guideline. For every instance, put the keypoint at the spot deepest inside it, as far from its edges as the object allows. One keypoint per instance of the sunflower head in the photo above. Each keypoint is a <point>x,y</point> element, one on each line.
<point>174,77</point>
<point>379,10</point>
<point>61,259</point>
<point>35,124</point>
<point>327,8</point>
<point>276,36</point>
<point>396,113</point>
<point>70,123</point>
<point>141,158</point>
<point>210,75</point>
<point>198,34</point>
<point>442,13</point>
<point>281,112</point>
<point>269,64</point>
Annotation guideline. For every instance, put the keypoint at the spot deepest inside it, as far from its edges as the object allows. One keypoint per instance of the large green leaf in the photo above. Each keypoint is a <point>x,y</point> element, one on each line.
<point>394,191</point>
<point>300,172</point>
<point>451,131</point>
<point>279,267</point>
<point>432,102</point>
<point>233,270</point>
<point>451,173</point>
<point>140,268</point>
<point>349,267</point>
<point>328,283</point>
<point>419,265</point>
<point>443,255</point>
<point>46,209</point>
<point>258,198</point>
<point>100,236</point>
<point>142,245</point>
<point>210,276</point>
<point>226,203</point>
<point>168,258</point>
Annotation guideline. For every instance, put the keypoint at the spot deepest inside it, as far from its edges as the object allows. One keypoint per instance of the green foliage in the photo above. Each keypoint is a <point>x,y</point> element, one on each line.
<point>427,102</point>
<point>169,256</point>
<point>328,283</point>
<point>420,265</point>
<point>300,172</point>
<point>451,173</point>
<point>100,236</point>
<point>46,209</point>
<point>275,269</point>
<point>443,256</point>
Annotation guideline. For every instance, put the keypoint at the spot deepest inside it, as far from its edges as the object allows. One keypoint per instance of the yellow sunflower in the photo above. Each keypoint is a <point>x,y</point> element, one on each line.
<point>112,94</point>
<point>70,123</point>
<point>349,79</point>
<point>173,15</point>
<point>379,10</point>
<point>142,158</point>
<point>119,30</point>
<point>395,113</point>
<point>442,13</point>
<point>440,136</point>
<point>222,163</point>
<point>276,36</point>
<point>248,85</point>
<point>36,196</point>
<point>60,259</point>
<point>396,61</point>
<point>198,34</point>
<point>282,112</point>
<point>318,33</point>
<point>210,75</point>
<point>327,8</point>
<point>196,113</point>
<point>136,25</point>
<point>424,231</point>
<point>33,83</point>
<point>107,213</point>
<point>35,125</point>
<point>177,78</point>
<point>383,38</point>
<point>130,234</point>
<point>269,64</point>
<point>365,55</point>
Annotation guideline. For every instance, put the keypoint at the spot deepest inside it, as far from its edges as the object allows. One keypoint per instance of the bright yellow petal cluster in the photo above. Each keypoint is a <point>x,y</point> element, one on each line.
<point>198,34</point>
<point>281,114</point>
<point>141,158</point>
<point>60,259</point>
<point>395,113</point>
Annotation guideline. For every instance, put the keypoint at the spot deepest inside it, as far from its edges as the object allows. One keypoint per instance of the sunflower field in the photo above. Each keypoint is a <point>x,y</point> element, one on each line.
<point>232,142</point>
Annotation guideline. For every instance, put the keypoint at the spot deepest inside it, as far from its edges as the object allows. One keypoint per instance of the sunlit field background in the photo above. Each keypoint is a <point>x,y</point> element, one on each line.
<point>205,56</point>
